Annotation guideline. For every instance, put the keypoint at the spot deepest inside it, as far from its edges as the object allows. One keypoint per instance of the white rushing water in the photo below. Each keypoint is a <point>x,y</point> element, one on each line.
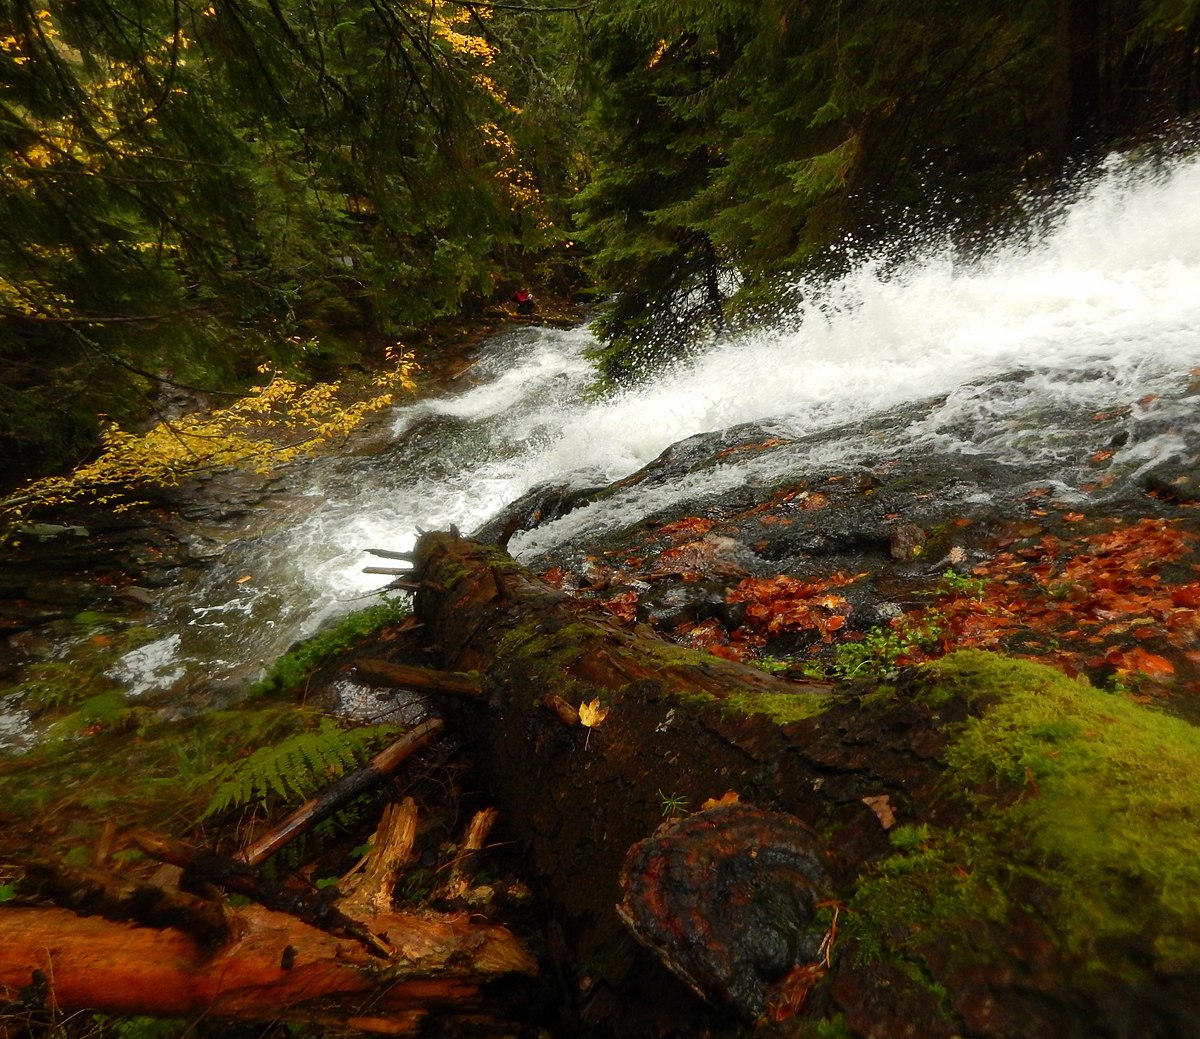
<point>1101,311</point>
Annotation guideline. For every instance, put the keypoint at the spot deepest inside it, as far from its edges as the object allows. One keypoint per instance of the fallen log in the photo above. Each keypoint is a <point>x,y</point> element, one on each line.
<point>346,960</point>
<point>276,968</point>
<point>976,858</point>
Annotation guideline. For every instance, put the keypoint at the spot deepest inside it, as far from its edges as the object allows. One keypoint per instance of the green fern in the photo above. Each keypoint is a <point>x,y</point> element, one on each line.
<point>294,769</point>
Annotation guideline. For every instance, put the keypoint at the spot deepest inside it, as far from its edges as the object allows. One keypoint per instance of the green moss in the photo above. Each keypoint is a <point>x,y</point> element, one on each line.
<point>449,569</point>
<point>781,708</point>
<point>294,668</point>
<point>1079,800</point>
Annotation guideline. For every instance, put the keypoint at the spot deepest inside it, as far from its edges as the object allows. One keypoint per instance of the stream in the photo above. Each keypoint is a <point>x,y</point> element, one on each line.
<point>1012,353</point>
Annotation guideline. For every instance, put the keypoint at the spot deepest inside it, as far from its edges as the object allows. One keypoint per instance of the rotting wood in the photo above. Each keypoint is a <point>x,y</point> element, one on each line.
<point>576,797</point>
<point>391,850</point>
<point>466,862</point>
<point>276,968</point>
<point>98,892</point>
<point>204,867</point>
<point>297,956</point>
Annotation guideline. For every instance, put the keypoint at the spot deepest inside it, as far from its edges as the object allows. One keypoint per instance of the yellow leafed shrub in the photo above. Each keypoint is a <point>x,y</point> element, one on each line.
<point>274,423</point>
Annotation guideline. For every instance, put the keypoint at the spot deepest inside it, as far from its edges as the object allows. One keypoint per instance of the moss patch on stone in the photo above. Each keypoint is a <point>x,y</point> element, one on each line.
<point>1062,805</point>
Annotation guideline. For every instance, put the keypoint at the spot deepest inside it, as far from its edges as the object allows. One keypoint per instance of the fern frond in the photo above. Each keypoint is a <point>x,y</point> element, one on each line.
<point>294,769</point>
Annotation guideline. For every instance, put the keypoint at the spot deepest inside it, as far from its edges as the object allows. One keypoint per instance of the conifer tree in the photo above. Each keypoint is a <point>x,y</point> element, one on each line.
<point>734,141</point>
<point>189,189</point>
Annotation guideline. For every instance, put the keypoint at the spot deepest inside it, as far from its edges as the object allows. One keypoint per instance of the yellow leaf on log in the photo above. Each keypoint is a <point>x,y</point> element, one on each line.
<point>592,714</point>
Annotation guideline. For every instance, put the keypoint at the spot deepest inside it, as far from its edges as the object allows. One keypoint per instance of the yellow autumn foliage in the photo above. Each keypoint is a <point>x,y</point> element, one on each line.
<point>275,423</point>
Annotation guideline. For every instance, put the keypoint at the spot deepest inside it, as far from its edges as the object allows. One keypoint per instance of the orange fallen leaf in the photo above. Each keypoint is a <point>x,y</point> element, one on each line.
<point>730,797</point>
<point>879,804</point>
<point>623,606</point>
<point>1138,659</point>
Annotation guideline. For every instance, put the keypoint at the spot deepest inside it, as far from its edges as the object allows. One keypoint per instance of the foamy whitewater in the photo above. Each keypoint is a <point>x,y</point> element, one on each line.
<point>1102,311</point>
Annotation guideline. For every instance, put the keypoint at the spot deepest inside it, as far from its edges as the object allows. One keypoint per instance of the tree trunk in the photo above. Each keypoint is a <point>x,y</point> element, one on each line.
<point>590,732</point>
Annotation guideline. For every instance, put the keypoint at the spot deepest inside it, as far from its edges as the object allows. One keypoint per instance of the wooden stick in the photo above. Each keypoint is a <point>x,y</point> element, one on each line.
<point>345,789</point>
<point>404,676</point>
<point>387,553</point>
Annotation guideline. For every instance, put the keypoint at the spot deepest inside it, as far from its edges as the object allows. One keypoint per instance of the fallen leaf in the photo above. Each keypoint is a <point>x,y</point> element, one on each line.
<point>1138,659</point>
<point>730,797</point>
<point>879,804</point>
<point>592,714</point>
<point>623,606</point>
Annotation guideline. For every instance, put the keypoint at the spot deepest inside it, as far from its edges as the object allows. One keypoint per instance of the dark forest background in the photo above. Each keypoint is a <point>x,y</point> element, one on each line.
<point>191,190</point>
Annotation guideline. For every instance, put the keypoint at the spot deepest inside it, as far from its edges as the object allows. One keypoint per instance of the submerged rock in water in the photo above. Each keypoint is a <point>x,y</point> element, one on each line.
<point>728,899</point>
<point>542,504</point>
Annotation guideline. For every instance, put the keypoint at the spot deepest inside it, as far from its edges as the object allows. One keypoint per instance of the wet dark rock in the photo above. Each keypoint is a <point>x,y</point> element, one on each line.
<point>1176,483</point>
<point>543,504</point>
<point>727,898</point>
<point>667,605</point>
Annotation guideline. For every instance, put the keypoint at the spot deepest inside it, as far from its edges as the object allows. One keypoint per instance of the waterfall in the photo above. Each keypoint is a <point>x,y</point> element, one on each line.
<point>1015,349</point>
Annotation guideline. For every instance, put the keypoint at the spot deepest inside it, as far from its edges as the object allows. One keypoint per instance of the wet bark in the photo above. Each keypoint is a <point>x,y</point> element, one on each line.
<point>680,728</point>
<point>822,775</point>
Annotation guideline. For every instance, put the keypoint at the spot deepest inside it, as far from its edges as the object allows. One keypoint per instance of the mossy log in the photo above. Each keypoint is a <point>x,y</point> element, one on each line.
<point>1007,851</point>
